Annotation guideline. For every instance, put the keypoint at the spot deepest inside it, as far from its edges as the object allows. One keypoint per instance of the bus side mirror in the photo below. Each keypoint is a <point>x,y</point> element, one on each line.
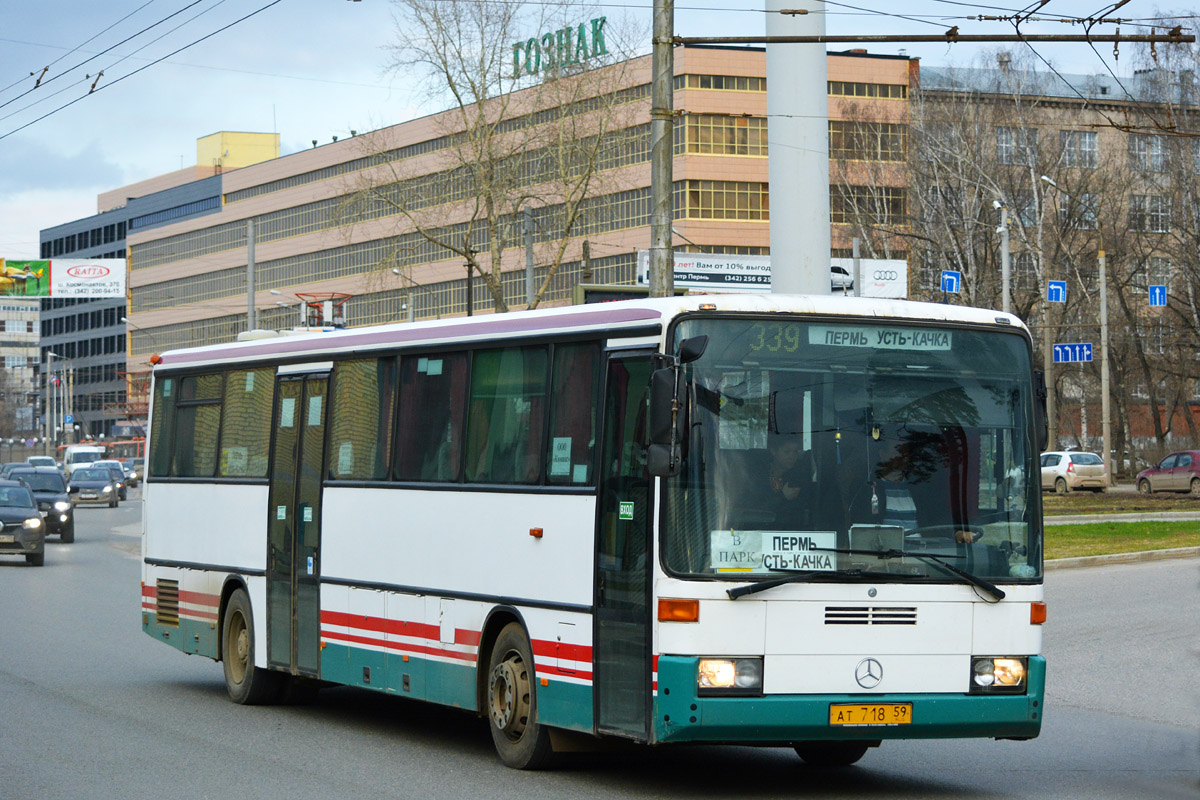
<point>1042,423</point>
<point>692,348</point>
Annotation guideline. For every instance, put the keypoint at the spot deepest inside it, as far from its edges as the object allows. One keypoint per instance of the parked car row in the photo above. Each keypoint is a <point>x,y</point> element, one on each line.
<point>1066,471</point>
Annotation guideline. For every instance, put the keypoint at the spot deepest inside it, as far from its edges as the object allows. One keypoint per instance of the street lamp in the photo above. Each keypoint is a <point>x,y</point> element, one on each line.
<point>1105,424</point>
<point>1005,258</point>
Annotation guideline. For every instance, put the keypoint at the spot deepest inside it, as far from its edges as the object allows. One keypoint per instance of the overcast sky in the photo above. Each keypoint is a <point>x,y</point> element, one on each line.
<point>307,69</point>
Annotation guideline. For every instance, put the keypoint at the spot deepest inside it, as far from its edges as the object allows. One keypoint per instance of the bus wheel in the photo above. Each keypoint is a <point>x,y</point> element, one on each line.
<point>520,740</point>
<point>246,683</point>
<point>831,754</point>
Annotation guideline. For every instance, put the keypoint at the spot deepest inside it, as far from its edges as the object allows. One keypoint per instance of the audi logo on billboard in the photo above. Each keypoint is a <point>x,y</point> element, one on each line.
<point>89,271</point>
<point>886,274</point>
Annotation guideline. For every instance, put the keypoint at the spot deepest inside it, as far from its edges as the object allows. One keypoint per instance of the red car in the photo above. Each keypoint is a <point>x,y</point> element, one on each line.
<point>1178,472</point>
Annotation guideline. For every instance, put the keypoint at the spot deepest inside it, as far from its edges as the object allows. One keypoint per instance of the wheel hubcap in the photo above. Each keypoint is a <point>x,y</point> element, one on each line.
<point>239,647</point>
<point>508,697</point>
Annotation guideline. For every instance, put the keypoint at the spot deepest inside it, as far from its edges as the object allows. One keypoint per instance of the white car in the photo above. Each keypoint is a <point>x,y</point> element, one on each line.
<point>1065,471</point>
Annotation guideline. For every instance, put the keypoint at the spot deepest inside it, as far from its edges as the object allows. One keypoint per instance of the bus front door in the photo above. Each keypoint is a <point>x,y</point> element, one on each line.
<point>621,625</point>
<point>294,532</point>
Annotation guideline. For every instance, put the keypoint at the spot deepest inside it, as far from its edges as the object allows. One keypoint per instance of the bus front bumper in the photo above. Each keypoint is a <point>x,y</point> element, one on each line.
<point>683,716</point>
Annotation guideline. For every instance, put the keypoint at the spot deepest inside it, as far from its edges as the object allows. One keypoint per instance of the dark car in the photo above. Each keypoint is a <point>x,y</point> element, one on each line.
<point>10,466</point>
<point>118,472</point>
<point>22,531</point>
<point>50,491</point>
<point>136,470</point>
<point>94,485</point>
<point>1178,472</point>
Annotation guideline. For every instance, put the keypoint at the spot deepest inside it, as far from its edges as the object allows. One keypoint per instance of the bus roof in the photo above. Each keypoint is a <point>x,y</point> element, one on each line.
<point>633,316</point>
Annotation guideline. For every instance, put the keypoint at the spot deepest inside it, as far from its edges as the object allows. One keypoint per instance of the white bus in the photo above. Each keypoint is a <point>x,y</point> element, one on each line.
<point>810,522</point>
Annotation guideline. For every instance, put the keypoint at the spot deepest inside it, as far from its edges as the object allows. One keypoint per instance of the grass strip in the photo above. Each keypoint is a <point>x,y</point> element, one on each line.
<point>1104,538</point>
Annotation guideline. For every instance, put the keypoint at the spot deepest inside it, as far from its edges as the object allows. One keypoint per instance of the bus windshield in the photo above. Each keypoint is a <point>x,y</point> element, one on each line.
<point>851,448</point>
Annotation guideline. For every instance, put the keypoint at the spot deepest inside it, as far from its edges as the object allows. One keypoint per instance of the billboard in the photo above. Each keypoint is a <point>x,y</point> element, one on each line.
<point>734,273</point>
<point>63,277</point>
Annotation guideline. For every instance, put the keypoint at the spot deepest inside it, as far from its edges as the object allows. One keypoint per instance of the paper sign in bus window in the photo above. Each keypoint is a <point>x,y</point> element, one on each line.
<point>771,551</point>
<point>167,387</point>
<point>249,381</point>
<point>560,455</point>
<point>287,412</point>
<point>314,410</point>
<point>579,474</point>
<point>435,366</point>
<point>345,462</point>
<point>626,510</point>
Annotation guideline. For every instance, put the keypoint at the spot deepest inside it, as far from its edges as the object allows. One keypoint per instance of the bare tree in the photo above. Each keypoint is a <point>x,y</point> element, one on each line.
<point>532,127</point>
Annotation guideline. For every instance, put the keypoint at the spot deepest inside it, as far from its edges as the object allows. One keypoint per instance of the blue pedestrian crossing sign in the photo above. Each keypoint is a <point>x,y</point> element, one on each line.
<point>1077,351</point>
<point>951,281</point>
<point>1158,296</point>
<point>1056,292</point>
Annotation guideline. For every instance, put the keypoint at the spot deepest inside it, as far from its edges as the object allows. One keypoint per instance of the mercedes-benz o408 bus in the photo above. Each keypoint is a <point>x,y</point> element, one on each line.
<point>810,522</point>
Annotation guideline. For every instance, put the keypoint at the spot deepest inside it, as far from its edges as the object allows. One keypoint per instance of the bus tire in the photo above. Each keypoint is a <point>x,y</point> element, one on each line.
<point>830,754</point>
<point>521,742</point>
<point>247,684</point>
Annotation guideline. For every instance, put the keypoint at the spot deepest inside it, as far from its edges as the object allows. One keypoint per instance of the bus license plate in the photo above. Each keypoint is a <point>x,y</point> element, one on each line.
<point>7,538</point>
<point>871,714</point>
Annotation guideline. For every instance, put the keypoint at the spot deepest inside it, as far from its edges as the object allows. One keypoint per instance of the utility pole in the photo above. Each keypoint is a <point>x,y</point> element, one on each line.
<point>528,257</point>
<point>251,311</point>
<point>1005,263</point>
<point>857,262</point>
<point>798,169</point>
<point>662,122</point>
<point>1105,417</point>
<point>470,293</point>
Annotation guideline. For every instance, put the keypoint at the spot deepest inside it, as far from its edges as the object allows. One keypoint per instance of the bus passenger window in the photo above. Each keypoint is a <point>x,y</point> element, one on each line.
<point>429,429</point>
<point>573,414</point>
<point>507,415</point>
<point>246,423</point>
<point>361,431</point>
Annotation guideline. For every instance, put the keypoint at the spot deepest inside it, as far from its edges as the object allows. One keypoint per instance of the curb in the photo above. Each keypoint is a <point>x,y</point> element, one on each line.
<point>1122,558</point>
<point>1137,516</point>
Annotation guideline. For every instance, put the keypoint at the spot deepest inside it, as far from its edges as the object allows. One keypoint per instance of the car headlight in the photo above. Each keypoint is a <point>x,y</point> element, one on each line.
<point>999,675</point>
<point>62,505</point>
<point>32,524</point>
<point>730,676</point>
<point>107,489</point>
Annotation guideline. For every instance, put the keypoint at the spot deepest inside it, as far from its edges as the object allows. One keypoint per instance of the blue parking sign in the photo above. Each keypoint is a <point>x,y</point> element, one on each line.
<point>951,281</point>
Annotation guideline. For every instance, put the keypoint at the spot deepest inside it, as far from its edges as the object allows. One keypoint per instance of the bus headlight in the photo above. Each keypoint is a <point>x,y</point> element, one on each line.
<point>999,674</point>
<point>730,676</point>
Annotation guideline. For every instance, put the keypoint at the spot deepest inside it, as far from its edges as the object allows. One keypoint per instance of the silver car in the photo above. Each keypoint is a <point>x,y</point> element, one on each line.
<point>1065,471</point>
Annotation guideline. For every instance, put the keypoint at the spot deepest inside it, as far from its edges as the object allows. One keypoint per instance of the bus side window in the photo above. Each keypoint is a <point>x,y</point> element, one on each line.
<point>360,438</point>
<point>246,423</point>
<point>162,426</point>
<point>429,427</point>
<point>573,404</point>
<point>197,422</point>
<point>506,424</point>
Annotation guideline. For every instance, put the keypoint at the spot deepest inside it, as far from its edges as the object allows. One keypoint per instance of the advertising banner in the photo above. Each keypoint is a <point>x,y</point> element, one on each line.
<point>63,277</point>
<point>731,273</point>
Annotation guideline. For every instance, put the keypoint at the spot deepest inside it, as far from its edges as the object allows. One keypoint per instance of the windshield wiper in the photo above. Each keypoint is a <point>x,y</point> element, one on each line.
<point>974,580</point>
<point>771,583</point>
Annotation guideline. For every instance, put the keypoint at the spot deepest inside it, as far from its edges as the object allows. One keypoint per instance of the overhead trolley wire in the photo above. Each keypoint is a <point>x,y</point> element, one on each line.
<point>147,66</point>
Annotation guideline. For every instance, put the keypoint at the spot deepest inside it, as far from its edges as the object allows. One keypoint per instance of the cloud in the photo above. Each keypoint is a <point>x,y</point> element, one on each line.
<point>28,164</point>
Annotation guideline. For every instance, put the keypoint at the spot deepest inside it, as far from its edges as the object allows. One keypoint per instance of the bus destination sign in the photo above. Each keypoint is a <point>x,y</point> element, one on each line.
<point>880,338</point>
<point>773,551</point>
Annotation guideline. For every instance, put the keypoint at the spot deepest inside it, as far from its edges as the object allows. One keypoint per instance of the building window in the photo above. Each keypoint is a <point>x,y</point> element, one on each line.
<point>97,237</point>
<point>867,141</point>
<point>1147,152</point>
<point>1016,145</point>
<point>1081,214</point>
<point>887,91</point>
<point>721,135</point>
<point>1079,148</point>
<point>747,200</point>
<point>1149,213</point>
<point>880,204</point>
<point>1158,272</point>
<point>110,234</point>
<point>723,83</point>
<point>46,249</point>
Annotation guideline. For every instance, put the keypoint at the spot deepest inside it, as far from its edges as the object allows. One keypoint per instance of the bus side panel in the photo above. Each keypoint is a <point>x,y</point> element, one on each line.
<point>181,608</point>
<point>428,639</point>
<point>184,523</point>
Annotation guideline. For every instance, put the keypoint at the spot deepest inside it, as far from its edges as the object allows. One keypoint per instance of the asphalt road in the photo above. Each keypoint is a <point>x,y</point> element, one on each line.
<point>90,707</point>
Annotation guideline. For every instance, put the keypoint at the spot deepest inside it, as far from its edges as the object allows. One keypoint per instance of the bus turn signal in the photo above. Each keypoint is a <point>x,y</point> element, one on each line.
<point>1037,613</point>
<point>676,610</point>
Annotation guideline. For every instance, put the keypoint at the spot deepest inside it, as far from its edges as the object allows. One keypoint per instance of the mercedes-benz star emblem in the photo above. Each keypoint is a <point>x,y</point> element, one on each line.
<point>868,673</point>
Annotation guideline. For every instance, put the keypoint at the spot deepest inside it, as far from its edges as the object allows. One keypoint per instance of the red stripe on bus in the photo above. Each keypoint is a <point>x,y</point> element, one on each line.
<point>381,625</point>
<point>402,647</point>
<point>199,598</point>
<point>570,652</point>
